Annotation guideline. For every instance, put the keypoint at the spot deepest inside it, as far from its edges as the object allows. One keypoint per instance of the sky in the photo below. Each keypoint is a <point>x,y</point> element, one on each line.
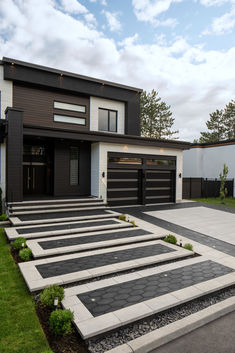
<point>184,49</point>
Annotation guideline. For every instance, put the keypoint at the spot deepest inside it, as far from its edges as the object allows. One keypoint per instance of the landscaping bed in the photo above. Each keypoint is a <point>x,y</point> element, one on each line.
<point>70,343</point>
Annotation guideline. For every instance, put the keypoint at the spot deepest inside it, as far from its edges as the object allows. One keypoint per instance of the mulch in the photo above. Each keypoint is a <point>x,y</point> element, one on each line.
<point>15,255</point>
<point>70,343</point>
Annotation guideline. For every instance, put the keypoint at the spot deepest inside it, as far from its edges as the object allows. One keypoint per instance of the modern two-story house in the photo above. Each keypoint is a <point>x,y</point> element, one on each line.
<point>64,134</point>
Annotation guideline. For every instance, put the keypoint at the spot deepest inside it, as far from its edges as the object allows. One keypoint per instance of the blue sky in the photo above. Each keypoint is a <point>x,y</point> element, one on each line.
<point>184,49</point>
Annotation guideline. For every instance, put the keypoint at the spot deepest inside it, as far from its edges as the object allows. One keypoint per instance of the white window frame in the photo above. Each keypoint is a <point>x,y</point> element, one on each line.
<point>69,119</point>
<point>69,106</point>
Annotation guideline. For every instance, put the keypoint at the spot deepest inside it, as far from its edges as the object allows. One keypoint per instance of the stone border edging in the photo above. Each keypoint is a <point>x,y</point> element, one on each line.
<point>168,333</point>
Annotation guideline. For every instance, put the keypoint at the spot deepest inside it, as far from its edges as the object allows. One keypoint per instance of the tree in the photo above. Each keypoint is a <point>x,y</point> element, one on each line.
<point>223,190</point>
<point>155,116</point>
<point>221,125</point>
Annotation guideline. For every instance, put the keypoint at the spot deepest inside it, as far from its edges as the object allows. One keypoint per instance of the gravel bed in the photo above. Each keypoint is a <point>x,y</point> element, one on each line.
<point>140,328</point>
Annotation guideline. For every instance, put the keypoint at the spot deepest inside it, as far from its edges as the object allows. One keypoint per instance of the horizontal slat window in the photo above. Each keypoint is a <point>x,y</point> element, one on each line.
<point>72,107</point>
<point>69,119</point>
<point>74,162</point>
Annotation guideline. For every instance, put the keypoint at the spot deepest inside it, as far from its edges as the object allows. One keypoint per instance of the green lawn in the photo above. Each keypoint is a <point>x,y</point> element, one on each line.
<point>228,202</point>
<point>20,330</point>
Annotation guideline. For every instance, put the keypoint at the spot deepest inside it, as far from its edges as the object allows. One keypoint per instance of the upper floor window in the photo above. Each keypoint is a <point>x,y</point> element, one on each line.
<point>69,106</point>
<point>107,120</point>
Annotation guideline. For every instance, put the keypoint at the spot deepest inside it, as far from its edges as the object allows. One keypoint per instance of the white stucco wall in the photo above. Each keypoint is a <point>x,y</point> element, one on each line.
<point>208,162</point>
<point>99,156</point>
<point>96,103</point>
<point>6,89</point>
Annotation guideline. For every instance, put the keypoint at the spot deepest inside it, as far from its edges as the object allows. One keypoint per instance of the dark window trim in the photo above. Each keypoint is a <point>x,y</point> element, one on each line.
<point>109,110</point>
<point>70,116</point>
<point>68,110</point>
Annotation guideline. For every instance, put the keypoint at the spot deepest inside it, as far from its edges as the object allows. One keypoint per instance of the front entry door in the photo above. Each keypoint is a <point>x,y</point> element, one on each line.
<point>34,176</point>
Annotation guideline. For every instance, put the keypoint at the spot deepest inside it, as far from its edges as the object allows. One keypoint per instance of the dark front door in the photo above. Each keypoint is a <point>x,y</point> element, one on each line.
<point>34,176</point>
<point>36,170</point>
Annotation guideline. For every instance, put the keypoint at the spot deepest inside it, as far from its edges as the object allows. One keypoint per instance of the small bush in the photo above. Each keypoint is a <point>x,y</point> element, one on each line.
<point>188,246</point>
<point>60,321</point>
<point>19,243</point>
<point>48,295</point>
<point>3,217</point>
<point>25,254</point>
<point>170,239</point>
<point>133,223</point>
<point>122,217</point>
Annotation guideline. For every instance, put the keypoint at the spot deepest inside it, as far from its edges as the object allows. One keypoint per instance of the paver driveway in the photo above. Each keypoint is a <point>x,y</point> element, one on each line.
<point>215,223</point>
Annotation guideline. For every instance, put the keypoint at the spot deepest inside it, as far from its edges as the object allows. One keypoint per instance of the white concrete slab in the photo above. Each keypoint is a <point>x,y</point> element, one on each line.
<point>215,223</point>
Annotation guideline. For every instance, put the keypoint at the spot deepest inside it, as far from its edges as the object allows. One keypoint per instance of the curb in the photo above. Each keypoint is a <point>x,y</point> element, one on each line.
<point>168,333</point>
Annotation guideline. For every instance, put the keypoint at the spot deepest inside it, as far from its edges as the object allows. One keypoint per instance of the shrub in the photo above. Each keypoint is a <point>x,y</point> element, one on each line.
<point>25,254</point>
<point>122,217</point>
<point>3,217</point>
<point>188,246</point>
<point>170,239</point>
<point>19,243</point>
<point>133,223</point>
<point>60,321</point>
<point>48,295</point>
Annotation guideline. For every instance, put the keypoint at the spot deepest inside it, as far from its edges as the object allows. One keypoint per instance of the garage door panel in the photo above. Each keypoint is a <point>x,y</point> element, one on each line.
<point>157,183</point>
<point>158,174</point>
<point>112,193</point>
<point>122,174</point>
<point>129,186</point>
<point>160,199</point>
<point>128,183</point>
<point>159,192</point>
<point>123,201</point>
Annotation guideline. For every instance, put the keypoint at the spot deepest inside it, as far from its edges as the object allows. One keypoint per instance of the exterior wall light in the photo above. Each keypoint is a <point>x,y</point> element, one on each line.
<point>12,64</point>
<point>180,175</point>
<point>61,75</point>
<point>103,175</point>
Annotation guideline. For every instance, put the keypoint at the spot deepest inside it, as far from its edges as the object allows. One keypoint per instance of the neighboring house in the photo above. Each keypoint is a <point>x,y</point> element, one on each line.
<point>68,135</point>
<point>206,160</point>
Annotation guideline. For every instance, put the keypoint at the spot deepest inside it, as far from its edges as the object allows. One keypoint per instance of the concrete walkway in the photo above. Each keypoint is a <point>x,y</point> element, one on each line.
<point>216,337</point>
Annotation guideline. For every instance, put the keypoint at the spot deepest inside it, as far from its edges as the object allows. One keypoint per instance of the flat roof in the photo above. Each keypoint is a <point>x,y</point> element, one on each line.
<point>67,73</point>
<point>213,144</point>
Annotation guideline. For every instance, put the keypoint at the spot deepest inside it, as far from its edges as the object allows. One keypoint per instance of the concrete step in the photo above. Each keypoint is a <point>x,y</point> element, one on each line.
<point>104,305</point>
<point>55,201</point>
<point>58,217</point>
<point>87,241</point>
<point>48,230</point>
<point>60,207</point>
<point>89,264</point>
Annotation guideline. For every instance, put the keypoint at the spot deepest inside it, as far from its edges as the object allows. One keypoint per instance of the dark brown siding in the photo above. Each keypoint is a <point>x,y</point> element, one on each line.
<point>14,173</point>
<point>38,107</point>
<point>62,185</point>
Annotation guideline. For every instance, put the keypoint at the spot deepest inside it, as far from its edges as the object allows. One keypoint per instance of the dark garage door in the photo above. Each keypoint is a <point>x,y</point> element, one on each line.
<point>140,179</point>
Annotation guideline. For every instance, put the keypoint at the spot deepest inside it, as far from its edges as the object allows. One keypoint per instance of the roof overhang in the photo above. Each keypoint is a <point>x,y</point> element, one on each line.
<point>96,136</point>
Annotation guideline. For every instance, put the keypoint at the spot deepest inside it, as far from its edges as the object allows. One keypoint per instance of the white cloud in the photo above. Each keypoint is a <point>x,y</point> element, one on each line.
<point>149,10</point>
<point>193,80</point>
<point>112,18</point>
<point>225,23</point>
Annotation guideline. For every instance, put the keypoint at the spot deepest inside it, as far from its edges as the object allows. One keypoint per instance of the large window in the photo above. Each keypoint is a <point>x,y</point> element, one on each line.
<point>74,165</point>
<point>107,120</point>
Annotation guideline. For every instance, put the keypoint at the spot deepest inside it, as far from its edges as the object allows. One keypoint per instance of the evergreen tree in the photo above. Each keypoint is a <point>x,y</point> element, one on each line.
<point>221,125</point>
<point>155,116</point>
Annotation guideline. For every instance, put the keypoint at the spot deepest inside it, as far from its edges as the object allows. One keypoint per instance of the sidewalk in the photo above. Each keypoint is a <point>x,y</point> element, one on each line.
<point>216,337</point>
